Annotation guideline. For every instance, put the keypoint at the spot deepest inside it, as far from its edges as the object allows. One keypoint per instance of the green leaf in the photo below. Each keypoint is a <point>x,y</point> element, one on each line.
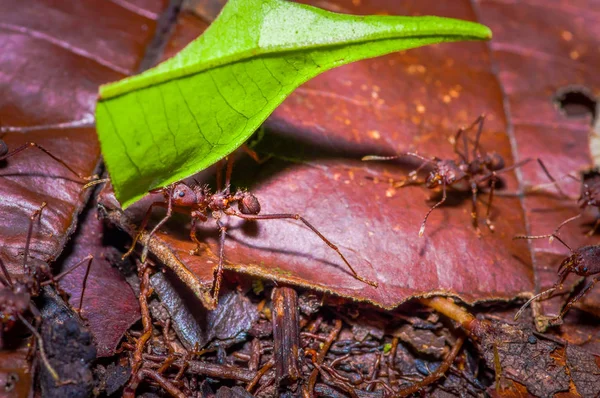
<point>194,109</point>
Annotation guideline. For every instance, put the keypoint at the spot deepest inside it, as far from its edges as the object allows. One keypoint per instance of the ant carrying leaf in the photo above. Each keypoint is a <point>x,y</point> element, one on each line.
<point>16,294</point>
<point>584,261</point>
<point>200,202</point>
<point>472,167</point>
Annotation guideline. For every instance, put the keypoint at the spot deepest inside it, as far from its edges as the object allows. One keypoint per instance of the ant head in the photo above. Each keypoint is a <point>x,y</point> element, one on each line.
<point>183,196</point>
<point>495,162</point>
<point>249,204</point>
<point>583,262</point>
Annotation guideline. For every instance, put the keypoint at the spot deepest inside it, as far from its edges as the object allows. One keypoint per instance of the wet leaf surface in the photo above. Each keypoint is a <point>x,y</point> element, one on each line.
<point>109,306</point>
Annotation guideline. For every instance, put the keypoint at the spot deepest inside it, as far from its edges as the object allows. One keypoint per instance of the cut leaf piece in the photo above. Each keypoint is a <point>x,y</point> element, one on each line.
<point>194,109</point>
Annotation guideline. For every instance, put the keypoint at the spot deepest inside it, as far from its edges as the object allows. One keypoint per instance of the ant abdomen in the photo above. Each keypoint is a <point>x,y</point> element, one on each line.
<point>249,204</point>
<point>496,162</point>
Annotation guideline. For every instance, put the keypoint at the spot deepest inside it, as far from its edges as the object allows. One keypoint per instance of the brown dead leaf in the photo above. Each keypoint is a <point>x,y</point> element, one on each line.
<point>55,55</point>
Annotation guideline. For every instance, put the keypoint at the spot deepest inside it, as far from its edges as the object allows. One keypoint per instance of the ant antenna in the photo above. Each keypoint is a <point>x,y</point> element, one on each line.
<point>95,182</point>
<point>422,229</point>
<point>7,280</point>
<point>37,213</point>
<point>160,224</point>
<point>550,236</point>
<point>518,314</point>
<point>479,120</point>
<point>375,157</point>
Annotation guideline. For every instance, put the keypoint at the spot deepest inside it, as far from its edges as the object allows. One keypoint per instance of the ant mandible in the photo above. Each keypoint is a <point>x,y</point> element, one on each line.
<point>16,294</point>
<point>584,261</point>
<point>473,169</point>
<point>200,201</point>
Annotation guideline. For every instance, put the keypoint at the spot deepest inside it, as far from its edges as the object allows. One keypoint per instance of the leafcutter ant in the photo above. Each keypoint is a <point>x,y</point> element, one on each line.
<point>471,169</point>
<point>200,202</point>
<point>584,261</point>
<point>16,294</point>
<point>588,198</point>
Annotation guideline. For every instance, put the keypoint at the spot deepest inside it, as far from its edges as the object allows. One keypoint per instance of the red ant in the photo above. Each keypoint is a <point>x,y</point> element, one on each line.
<point>200,202</point>
<point>584,261</point>
<point>473,170</point>
<point>588,198</point>
<point>16,295</point>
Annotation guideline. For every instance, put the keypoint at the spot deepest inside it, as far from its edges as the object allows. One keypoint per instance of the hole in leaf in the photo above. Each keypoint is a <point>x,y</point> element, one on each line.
<point>576,102</point>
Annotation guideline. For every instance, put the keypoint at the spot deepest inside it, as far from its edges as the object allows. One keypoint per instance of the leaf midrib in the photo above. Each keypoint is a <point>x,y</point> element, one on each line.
<point>113,91</point>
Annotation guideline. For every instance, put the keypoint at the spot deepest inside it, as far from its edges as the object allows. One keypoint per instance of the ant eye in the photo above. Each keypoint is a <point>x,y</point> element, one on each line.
<point>585,269</point>
<point>181,194</point>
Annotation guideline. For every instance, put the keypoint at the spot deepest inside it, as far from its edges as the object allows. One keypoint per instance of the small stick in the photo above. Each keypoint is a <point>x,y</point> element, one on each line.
<point>286,335</point>
<point>259,375</point>
<point>310,386</point>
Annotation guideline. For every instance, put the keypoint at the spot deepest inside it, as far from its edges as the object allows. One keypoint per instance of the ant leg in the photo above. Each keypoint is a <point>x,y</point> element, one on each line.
<point>47,152</point>
<point>219,176</point>
<point>488,211</point>
<point>538,187</point>
<point>218,275</point>
<point>542,165</point>
<point>87,259</point>
<point>157,226</point>
<point>474,216</point>
<point>142,228</point>
<point>40,342</point>
<point>463,155</point>
<point>228,172</point>
<point>551,236</point>
<point>572,301</point>
<point>562,224</point>
<point>593,230</point>
<point>422,229</point>
<point>254,217</point>
<point>193,236</point>
<point>6,280</point>
<point>479,121</point>
<point>518,314</point>
<point>32,217</point>
<point>252,153</point>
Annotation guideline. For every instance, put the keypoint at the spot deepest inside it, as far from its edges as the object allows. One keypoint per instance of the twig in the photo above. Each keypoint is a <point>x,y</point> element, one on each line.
<point>309,388</point>
<point>440,371</point>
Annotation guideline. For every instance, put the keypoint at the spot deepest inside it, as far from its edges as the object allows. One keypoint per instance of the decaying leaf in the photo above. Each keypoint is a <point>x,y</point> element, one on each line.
<point>51,102</point>
<point>109,305</point>
<point>547,41</point>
